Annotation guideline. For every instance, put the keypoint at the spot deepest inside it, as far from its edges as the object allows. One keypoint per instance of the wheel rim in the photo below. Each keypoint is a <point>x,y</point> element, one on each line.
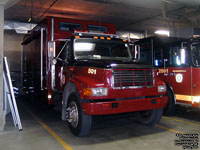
<point>73,114</point>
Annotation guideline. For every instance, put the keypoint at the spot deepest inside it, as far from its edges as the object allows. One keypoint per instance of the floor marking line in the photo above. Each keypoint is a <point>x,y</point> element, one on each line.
<point>50,131</point>
<point>172,130</point>
<point>178,120</point>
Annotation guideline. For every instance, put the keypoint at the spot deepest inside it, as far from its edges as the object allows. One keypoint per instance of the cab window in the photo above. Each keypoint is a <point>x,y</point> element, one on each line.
<point>65,26</point>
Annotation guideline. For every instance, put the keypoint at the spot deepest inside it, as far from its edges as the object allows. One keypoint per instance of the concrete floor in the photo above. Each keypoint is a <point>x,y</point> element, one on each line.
<point>44,130</point>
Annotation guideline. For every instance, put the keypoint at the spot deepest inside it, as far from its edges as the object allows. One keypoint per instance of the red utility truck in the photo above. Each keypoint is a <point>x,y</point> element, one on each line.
<point>177,62</point>
<point>85,69</point>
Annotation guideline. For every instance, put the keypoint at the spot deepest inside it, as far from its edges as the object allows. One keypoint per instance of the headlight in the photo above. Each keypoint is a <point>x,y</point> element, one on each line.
<point>95,91</point>
<point>161,88</point>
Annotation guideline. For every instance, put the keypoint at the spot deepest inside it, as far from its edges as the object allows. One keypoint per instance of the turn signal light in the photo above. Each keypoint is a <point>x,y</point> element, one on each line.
<point>87,91</point>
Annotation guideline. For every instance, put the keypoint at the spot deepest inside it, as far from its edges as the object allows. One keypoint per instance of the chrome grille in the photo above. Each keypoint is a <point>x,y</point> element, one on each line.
<point>127,78</point>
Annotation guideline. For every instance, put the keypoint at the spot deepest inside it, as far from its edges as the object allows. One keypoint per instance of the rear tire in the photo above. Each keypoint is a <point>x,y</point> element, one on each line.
<point>81,123</point>
<point>149,117</point>
<point>170,109</point>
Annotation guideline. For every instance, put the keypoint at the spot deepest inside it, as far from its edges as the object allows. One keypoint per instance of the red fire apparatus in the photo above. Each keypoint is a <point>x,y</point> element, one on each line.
<point>89,73</point>
<point>177,62</point>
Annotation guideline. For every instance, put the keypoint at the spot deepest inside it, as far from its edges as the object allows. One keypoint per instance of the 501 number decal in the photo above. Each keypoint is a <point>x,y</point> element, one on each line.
<point>92,71</point>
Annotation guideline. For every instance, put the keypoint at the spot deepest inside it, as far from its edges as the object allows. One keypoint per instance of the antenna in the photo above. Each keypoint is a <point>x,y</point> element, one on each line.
<point>99,25</point>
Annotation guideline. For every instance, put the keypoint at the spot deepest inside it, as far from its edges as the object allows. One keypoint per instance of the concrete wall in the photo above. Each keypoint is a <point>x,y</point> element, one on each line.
<point>183,33</point>
<point>12,49</point>
<point>2,117</point>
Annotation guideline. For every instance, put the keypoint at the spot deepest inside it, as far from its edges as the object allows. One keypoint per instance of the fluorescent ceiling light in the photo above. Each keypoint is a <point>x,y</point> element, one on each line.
<point>21,31</point>
<point>162,32</point>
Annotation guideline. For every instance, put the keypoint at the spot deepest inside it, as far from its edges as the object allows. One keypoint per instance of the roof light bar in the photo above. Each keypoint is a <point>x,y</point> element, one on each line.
<point>96,34</point>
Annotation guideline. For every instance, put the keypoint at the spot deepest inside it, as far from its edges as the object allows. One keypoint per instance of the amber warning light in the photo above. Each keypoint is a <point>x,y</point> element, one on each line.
<point>196,36</point>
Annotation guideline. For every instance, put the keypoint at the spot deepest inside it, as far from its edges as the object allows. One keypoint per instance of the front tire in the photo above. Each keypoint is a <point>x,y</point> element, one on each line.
<point>79,122</point>
<point>170,109</point>
<point>149,117</point>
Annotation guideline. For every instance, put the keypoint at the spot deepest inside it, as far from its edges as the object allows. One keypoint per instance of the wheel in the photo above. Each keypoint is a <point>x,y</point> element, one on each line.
<point>169,110</point>
<point>79,123</point>
<point>149,117</point>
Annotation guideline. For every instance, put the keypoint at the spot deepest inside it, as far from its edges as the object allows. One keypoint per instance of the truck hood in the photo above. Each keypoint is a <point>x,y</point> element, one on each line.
<point>108,64</point>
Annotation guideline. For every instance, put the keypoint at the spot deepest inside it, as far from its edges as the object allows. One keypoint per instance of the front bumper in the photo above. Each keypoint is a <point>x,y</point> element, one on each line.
<point>122,106</point>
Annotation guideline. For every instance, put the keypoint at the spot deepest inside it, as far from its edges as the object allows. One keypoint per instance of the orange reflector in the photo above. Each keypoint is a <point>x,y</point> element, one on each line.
<point>124,40</point>
<point>87,92</point>
<point>108,38</point>
<point>71,69</point>
<point>95,37</point>
<point>77,37</point>
<point>195,36</point>
<point>106,105</point>
<point>51,49</point>
<point>102,38</point>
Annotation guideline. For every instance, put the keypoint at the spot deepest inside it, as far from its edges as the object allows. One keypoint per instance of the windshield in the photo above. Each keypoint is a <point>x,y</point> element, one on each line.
<point>195,48</point>
<point>101,49</point>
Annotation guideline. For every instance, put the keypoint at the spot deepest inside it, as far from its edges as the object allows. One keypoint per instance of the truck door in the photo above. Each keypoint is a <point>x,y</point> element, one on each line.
<point>63,71</point>
<point>176,72</point>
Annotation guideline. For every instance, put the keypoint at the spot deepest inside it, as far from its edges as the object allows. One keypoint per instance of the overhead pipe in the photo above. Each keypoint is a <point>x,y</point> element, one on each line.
<point>187,3</point>
<point>164,9</point>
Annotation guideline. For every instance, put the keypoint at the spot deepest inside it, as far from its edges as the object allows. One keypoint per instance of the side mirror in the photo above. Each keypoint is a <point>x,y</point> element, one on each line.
<point>182,55</point>
<point>137,52</point>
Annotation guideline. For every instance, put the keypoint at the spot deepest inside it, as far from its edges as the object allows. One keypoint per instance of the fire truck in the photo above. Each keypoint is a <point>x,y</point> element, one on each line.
<point>84,69</point>
<point>177,63</point>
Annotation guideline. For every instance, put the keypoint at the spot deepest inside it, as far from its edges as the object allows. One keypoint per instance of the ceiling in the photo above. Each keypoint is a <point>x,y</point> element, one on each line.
<point>128,15</point>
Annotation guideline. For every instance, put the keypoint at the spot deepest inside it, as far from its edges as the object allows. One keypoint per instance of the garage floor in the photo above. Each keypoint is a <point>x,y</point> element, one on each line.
<point>44,130</point>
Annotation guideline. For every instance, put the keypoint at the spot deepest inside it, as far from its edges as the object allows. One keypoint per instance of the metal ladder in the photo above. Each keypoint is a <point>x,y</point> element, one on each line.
<point>9,95</point>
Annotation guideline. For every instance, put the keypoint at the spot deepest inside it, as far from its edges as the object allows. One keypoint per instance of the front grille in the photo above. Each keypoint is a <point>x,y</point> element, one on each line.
<point>129,78</point>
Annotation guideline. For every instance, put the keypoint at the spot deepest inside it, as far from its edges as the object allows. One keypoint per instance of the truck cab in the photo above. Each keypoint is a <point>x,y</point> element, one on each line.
<point>96,75</point>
